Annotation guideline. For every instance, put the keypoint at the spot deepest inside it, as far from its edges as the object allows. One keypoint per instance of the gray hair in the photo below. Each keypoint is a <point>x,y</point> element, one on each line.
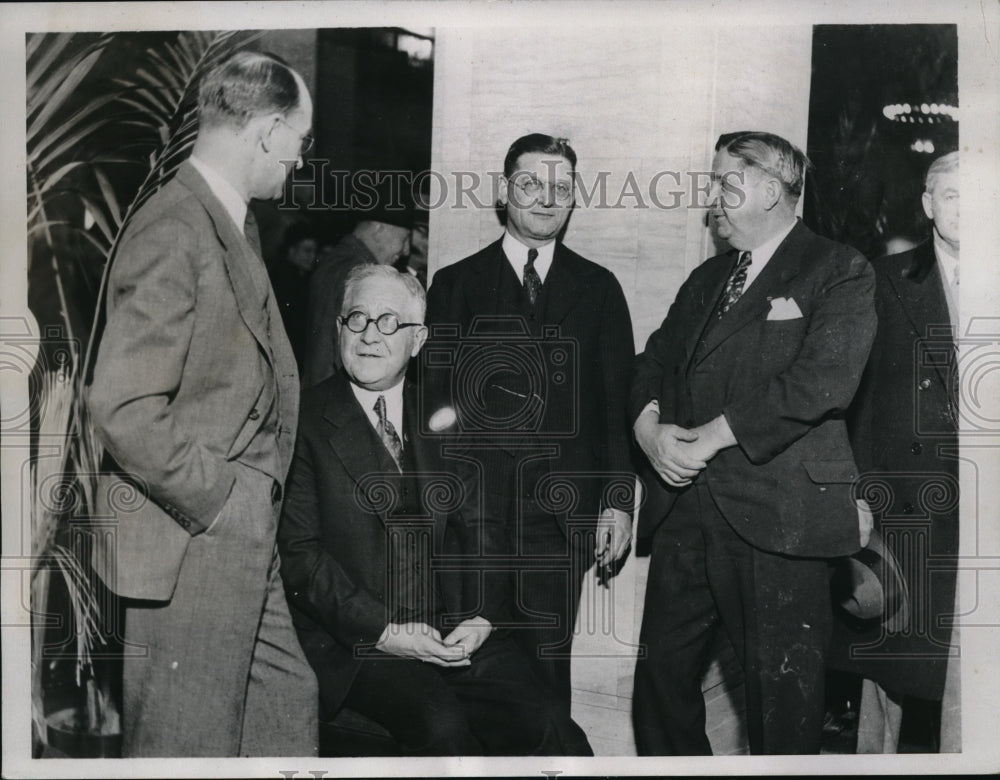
<point>771,154</point>
<point>372,270</point>
<point>947,163</point>
<point>246,85</point>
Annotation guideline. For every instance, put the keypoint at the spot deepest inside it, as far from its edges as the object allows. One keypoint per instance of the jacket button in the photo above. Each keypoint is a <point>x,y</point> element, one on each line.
<point>916,448</point>
<point>924,383</point>
<point>254,414</point>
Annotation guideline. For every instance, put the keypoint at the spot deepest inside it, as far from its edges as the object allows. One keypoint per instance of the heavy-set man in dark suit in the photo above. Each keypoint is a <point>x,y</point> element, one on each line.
<point>537,342</point>
<point>905,436</point>
<point>739,401</point>
<point>195,396</point>
<point>374,529</point>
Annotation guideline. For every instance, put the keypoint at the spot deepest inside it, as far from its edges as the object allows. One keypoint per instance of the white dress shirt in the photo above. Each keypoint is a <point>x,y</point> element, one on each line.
<point>231,200</point>
<point>393,405</point>
<point>517,254</point>
<point>762,254</point>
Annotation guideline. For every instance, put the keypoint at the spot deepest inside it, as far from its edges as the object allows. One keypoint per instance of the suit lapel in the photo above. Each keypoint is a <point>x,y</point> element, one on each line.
<point>563,286</point>
<point>920,292</point>
<point>482,290</point>
<point>780,269</point>
<point>711,293</point>
<point>238,255</point>
<point>353,439</point>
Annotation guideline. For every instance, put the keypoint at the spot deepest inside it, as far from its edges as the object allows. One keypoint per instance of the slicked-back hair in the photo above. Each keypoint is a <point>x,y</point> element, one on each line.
<point>771,154</point>
<point>946,163</point>
<point>246,85</point>
<point>537,143</point>
<point>372,270</point>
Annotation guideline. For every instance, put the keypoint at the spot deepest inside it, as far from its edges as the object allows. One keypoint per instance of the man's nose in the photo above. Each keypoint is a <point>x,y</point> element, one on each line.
<point>548,194</point>
<point>371,333</point>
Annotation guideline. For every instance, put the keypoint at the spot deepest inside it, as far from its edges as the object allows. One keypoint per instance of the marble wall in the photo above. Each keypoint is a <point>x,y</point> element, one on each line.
<point>634,102</point>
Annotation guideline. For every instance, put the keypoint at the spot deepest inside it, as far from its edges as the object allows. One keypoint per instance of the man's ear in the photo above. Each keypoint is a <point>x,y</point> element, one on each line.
<point>419,338</point>
<point>928,203</point>
<point>773,190</point>
<point>264,127</point>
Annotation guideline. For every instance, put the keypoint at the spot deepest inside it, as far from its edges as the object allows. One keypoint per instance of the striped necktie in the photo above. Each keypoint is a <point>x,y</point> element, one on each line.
<point>387,433</point>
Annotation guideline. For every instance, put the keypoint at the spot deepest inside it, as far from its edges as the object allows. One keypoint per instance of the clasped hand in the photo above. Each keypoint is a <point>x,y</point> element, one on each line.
<point>677,453</point>
<point>424,643</point>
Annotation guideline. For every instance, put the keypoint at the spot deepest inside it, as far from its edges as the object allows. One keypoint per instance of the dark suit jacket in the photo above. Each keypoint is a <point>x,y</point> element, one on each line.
<point>335,525</point>
<point>783,386</point>
<point>583,369</point>
<point>186,370</point>
<point>905,434</point>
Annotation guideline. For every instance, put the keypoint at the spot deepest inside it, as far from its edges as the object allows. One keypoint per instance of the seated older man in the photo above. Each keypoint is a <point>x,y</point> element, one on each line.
<point>389,632</point>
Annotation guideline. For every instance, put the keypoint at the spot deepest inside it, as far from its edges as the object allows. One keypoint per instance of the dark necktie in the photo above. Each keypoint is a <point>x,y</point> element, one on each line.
<point>532,281</point>
<point>734,287</point>
<point>387,433</point>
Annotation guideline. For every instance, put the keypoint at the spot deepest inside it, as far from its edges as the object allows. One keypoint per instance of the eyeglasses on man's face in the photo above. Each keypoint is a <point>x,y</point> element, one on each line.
<point>387,324</point>
<point>560,191</point>
<point>306,142</point>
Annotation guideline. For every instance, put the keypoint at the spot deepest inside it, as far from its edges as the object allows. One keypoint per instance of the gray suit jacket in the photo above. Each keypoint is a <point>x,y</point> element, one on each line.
<point>189,365</point>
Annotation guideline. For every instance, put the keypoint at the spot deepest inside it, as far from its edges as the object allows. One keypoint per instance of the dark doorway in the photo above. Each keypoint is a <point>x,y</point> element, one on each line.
<point>883,105</point>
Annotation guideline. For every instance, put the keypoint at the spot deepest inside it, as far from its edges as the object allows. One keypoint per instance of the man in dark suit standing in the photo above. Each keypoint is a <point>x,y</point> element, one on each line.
<point>372,520</point>
<point>738,402</point>
<point>195,396</point>
<point>539,379</point>
<point>905,437</point>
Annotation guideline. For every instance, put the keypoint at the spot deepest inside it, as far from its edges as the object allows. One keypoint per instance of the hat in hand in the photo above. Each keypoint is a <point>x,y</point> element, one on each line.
<point>869,586</point>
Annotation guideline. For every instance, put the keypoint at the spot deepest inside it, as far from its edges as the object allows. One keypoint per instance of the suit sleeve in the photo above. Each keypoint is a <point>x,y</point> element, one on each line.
<point>824,376</point>
<point>153,290</point>
<point>617,350</point>
<point>662,356</point>
<point>315,582</point>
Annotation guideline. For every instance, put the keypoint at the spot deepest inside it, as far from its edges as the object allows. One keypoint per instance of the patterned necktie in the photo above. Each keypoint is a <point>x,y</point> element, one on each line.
<point>532,281</point>
<point>387,433</point>
<point>734,287</point>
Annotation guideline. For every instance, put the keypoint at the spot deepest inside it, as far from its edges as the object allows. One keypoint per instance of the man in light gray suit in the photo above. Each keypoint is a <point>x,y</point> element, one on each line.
<point>195,396</point>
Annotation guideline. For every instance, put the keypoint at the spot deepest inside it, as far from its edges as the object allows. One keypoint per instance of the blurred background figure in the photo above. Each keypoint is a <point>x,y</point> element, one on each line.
<point>290,276</point>
<point>415,263</point>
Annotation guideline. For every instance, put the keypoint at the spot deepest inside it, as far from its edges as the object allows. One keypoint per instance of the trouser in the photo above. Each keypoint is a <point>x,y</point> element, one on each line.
<point>774,609</point>
<point>545,585</point>
<point>222,672</point>
<point>495,706</point>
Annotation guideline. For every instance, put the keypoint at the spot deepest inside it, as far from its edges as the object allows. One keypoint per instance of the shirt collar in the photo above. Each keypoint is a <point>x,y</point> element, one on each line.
<point>517,255</point>
<point>230,199</point>
<point>760,255</point>
<point>393,404</point>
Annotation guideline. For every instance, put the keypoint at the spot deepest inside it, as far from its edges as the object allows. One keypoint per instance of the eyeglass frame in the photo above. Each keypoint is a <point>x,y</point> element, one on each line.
<point>533,181</point>
<point>369,320</point>
<point>306,140</point>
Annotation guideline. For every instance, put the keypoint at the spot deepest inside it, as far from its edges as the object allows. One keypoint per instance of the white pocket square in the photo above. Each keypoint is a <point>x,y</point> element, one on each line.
<point>784,309</point>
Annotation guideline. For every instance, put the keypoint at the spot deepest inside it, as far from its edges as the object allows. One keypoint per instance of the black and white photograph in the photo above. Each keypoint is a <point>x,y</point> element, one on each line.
<point>532,388</point>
